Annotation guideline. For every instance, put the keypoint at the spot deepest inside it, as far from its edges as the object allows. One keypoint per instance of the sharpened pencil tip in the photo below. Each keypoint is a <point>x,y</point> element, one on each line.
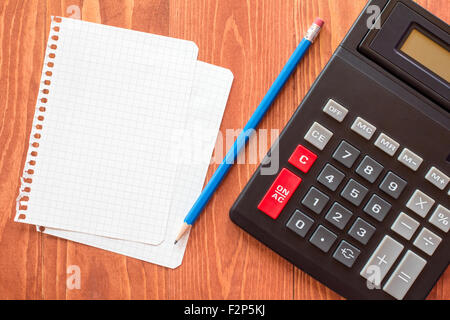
<point>175,242</point>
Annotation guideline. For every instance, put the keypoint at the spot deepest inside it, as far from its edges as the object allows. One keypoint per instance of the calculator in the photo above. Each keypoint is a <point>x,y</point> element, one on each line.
<point>358,195</point>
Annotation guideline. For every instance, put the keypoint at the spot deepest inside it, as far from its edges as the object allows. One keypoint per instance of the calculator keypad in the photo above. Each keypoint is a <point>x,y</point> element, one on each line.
<point>353,217</point>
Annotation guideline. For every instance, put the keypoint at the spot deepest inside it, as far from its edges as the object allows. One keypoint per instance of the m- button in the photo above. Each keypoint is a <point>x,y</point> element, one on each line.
<point>318,136</point>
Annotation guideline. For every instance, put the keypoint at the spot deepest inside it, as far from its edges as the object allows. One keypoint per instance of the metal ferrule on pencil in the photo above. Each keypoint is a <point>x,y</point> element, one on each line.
<point>312,32</point>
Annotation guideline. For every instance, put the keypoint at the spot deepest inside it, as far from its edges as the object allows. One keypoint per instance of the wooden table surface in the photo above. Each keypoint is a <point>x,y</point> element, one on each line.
<point>253,38</point>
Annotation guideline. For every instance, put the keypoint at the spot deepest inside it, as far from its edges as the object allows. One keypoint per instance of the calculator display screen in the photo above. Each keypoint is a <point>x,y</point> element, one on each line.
<point>428,53</point>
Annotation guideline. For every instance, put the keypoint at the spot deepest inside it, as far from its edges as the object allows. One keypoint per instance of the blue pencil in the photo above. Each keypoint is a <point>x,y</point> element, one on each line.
<point>256,118</point>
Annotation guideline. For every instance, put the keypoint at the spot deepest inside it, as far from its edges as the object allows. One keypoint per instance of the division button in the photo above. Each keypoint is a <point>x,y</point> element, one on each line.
<point>420,203</point>
<point>346,154</point>
<point>387,144</point>
<point>427,241</point>
<point>441,218</point>
<point>346,253</point>
<point>335,110</point>
<point>363,128</point>
<point>410,159</point>
<point>404,275</point>
<point>382,259</point>
<point>323,238</point>
<point>279,193</point>
<point>318,136</point>
<point>405,226</point>
<point>302,158</point>
<point>300,223</point>
<point>436,177</point>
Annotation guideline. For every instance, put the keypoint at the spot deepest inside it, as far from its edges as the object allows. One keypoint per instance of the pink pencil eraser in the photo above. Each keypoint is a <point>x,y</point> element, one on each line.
<point>319,22</point>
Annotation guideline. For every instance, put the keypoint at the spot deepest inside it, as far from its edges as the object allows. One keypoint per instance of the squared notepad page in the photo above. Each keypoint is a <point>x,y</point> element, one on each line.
<point>97,161</point>
<point>209,96</point>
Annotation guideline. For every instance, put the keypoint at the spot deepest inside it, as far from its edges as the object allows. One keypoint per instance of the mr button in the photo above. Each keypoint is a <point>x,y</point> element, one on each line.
<point>279,193</point>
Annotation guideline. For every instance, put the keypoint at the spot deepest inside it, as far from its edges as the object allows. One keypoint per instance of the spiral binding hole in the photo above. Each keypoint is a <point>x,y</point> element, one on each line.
<point>29,170</point>
<point>41,228</point>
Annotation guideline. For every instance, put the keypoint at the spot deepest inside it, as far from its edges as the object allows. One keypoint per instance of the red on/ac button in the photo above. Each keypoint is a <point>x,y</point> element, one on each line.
<point>279,193</point>
<point>302,158</point>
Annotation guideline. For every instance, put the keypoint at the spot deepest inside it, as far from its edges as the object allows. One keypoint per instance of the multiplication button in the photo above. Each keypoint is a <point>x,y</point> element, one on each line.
<point>420,203</point>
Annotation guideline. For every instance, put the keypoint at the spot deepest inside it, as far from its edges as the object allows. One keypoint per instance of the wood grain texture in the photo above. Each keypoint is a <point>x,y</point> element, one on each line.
<point>252,38</point>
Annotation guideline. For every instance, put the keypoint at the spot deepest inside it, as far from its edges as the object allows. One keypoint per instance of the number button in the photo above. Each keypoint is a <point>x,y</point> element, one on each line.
<point>369,169</point>
<point>354,192</point>
<point>362,231</point>
<point>346,154</point>
<point>377,208</point>
<point>300,223</point>
<point>393,185</point>
<point>338,216</point>
<point>315,200</point>
<point>330,177</point>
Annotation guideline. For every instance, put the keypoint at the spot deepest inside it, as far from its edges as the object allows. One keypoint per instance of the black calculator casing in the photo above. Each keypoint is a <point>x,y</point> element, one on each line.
<point>417,122</point>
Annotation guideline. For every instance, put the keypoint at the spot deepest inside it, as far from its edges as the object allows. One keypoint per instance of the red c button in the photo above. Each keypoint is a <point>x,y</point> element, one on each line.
<point>302,158</point>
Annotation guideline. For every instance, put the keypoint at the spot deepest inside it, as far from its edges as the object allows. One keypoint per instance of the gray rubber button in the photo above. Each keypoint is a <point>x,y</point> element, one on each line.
<point>420,203</point>
<point>382,259</point>
<point>405,226</point>
<point>315,200</point>
<point>346,254</point>
<point>427,241</point>
<point>354,192</point>
<point>438,178</point>
<point>404,275</point>
<point>330,177</point>
<point>338,215</point>
<point>441,218</point>
<point>363,128</point>
<point>318,136</point>
<point>410,159</point>
<point>393,185</point>
<point>369,169</point>
<point>362,231</point>
<point>346,154</point>
<point>377,208</point>
<point>323,238</point>
<point>300,223</point>
<point>335,110</point>
<point>387,144</point>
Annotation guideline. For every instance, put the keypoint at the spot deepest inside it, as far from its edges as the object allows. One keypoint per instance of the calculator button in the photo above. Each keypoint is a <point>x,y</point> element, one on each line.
<point>387,144</point>
<point>354,192</point>
<point>323,238</point>
<point>318,136</point>
<point>362,231</point>
<point>300,223</point>
<point>383,258</point>
<point>315,200</point>
<point>436,177</point>
<point>377,208</point>
<point>410,159</point>
<point>405,226</point>
<point>346,154</point>
<point>441,218</point>
<point>404,275</point>
<point>302,158</point>
<point>346,254</point>
<point>330,177</point>
<point>420,203</point>
<point>338,216</point>
<point>393,185</point>
<point>363,128</point>
<point>335,110</point>
<point>369,169</point>
<point>279,193</point>
<point>427,241</point>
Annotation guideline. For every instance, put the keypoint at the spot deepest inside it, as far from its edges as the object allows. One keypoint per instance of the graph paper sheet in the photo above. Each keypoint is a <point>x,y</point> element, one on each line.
<point>209,96</point>
<point>110,104</point>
